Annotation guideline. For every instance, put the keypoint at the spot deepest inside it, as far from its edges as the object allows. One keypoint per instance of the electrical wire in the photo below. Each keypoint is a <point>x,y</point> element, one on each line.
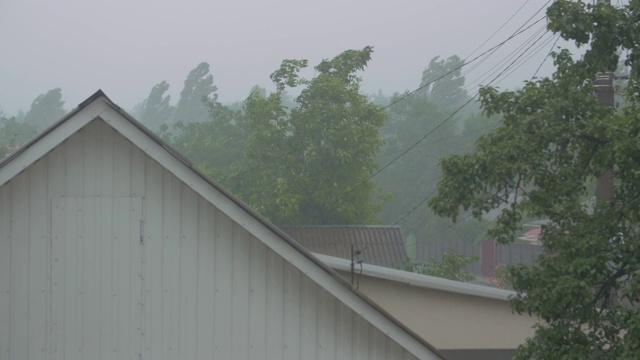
<point>415,207</point>
<point>469,70</point>
<point>515,61</point>
<point>500,28</point>
<point>546,57</point>
<point>494,79</point>
<point>490,51</point>
<point>408,94</point>
<point>462,134</point>
<point>461,107</point>
<point>506,59</point>
<point>535,51</point>
<point>421,139</point>
<point>403,153</point>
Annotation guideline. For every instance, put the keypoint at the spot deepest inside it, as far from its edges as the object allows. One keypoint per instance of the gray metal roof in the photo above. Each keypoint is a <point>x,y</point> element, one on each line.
<point>379,245</point>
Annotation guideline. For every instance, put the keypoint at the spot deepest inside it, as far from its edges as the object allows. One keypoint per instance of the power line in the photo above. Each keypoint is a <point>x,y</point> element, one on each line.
<point>514,61</point>
<point>492,50</point>
<point>546,57</point>
<point>415,207</point>
<point>409,149</point>
<point>424,200</point>
<point>494,79</point>
<point>458,109</point>
<point>496,49</point>
<point>506,59</point>
<point>533,53</point>
<point>408,94</point>
<point>421,139</point>
<point>465,133</point>
<point>500,28</point>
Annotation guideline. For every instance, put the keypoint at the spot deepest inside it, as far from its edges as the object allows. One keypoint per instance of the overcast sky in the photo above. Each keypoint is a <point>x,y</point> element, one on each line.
<point>125,47</point>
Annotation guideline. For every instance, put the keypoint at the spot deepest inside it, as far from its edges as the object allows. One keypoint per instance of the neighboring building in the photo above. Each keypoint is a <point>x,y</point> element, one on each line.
<point>465,321</point>
<point>114,246</point>
<point>532,236</point>
<point>377,245</point>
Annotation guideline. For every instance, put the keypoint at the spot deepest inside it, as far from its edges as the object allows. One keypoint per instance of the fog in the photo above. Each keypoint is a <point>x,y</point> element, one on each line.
<point>125,47</point>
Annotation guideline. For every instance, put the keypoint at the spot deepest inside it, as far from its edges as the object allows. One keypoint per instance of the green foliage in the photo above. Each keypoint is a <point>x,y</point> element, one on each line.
<point>502,280</point>
<point>443,82</point>
<point>198,90</point>
<point>156,110</point>
<point>310,163</point>
<point>215,145</point>
<point>13,134</point>
<point>46,109</point>
<point>451,267</point>
<point>553,141</point>
<point>414,176</point>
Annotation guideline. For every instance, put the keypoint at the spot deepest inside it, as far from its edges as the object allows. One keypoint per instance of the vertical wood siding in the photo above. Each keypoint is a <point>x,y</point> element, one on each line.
<point>199,287</point>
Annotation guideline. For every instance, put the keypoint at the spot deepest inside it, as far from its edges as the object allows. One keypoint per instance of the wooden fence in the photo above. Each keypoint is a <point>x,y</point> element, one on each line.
<point>491,254</point>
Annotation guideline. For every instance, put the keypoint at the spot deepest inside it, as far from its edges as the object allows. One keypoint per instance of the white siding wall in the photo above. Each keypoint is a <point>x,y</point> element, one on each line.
<point>206,288</point>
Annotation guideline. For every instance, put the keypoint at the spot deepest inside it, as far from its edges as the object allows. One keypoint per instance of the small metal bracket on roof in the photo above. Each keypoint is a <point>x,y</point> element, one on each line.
<point>355,259</point>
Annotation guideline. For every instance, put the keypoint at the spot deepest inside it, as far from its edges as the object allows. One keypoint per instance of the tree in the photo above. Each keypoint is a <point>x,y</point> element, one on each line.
<point>451,267</point>
<point>443,82</point>
<point>414,175</point>
<point>554,140</point>
<point>198,90</point>
<point>13,134</point>
<point>310,164</point>
<point>156,110</point>
<point>215,145</point>
<point>46,109</point>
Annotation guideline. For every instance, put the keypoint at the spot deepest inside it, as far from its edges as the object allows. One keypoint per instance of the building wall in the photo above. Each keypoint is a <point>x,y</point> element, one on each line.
<point>450,320</point>
<point>197,286</point>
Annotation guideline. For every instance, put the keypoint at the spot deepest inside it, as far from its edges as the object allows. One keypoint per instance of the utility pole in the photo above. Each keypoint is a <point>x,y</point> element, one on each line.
<point>604,86</point>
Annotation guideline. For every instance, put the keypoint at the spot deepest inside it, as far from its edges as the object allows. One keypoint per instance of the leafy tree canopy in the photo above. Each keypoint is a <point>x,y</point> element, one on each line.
<point>156,110</point>
<point>13,134</point>
<point>554,140</point>
<point>46,109</point>
<point>452,267</point>
<point>413,176</point>
<point>310,163</point>
<point>198,90</point>
<point>443,82</point>
<point>217,144</point>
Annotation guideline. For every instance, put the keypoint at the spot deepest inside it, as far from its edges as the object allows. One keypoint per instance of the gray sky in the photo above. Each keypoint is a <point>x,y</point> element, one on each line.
<point>125,47</point>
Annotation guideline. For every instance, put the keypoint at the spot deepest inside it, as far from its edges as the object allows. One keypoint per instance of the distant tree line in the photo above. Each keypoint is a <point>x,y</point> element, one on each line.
<point>310,158</point>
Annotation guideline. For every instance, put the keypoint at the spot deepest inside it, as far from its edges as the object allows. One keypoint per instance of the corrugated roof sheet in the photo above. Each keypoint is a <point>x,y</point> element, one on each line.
<point>379,245</point>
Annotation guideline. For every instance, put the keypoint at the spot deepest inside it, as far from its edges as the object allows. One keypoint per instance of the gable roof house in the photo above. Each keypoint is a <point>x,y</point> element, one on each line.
<point>112,245</point>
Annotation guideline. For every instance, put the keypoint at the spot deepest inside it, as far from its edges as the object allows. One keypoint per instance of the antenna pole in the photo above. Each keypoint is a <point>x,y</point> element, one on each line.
<point>353,267</point>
